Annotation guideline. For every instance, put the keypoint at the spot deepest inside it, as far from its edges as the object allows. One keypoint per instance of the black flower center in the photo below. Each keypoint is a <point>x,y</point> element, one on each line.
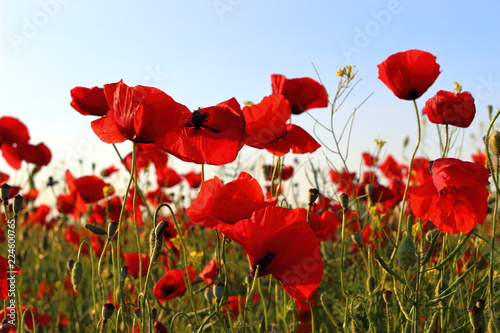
<point>413,94</point>
<point>167,290</point>
<point>263,263</point>
<point>198,119</point>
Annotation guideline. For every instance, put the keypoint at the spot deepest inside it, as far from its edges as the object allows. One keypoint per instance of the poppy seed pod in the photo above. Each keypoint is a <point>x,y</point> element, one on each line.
<point>5,192</point>
<point>112,228</point>
<point>107,310</point>
<point>209,295</point>
<point>406,253</point>
<point>219,290</point>
<point>76,275</point>
<point>123,273</point>
<point>39,328</point>
<point>357,238</point>
<point>18,203</point>
<point>95,229</point>
<point>494,142</point>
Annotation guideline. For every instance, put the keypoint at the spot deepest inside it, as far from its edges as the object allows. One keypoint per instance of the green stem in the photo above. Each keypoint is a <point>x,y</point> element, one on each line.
<point>249,296</point>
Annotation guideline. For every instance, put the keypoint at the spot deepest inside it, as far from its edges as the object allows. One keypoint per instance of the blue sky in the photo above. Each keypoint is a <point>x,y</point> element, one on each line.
<point>205,52</point>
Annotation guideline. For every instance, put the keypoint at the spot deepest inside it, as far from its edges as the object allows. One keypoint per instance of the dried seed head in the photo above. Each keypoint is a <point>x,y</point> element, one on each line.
<point>107,310</point>
<point>76,275</point>
<point>344,200</point>
<point>406,253</point>
<point>387,296</point>
<point>95,229</point>
<point>494,142</point>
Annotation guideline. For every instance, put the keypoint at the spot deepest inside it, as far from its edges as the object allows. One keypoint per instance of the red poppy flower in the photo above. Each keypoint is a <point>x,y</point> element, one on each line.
<point>302,93</point>
<point>89,101</point>
<point>409,74</point>
<point>157,197</point>
<point>109,171</point>
<point>286,172</point>
<point>3,178</point>
<point>89,188</point>
<point>267,128</point>
<point>167,177</point>
<point>210,272</point>
<point>193,179</point>
<point>5,269</point>
<point>281,242</point>
<point>392,169</point>
<point>455,199</point>
<point>172,284</point>
<point>235,304</point>
<point>13,134</point>
<point>139,114</point>
<point>345,180</point>
<point>212,135</point>
<point>324,224</point>
<point>219,206</point>
<point>73,236</point>
<point>145,154</point>
<point>39,155</point>
<point>368,159</point>
<point>39,215</point>
<point>448,108</point>
<point>132,262</point>
<point>479,158</point>
<point>420,172</point>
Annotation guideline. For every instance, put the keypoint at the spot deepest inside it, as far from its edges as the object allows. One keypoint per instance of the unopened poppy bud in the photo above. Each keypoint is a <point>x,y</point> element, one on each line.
<point>154,313</point>
<point>112,227</point>
<point>76,275</point>
<point>70,264</point>
<point>39,328</point>
<point>249,280</point>
<point>138,313</point>
<point>219,290</point>
<point>160,228</point>
<point>344,200</point>
<point>95,229</point>
<point>481,304</point>
<point>107,310</point>
<point>209,295</point>
<point>406,253</point>
<point>160,328</point>
<point>5,192</point>
<point>475,315</point>
<point>387,296</point>
<point>155,244</point>
<point>18,203</point>
<point>5,328</point>
<point>357,238</point>
<point>369,189</point>
<point>313,195</point>
<point>123,272</point>
<point>494,142</point>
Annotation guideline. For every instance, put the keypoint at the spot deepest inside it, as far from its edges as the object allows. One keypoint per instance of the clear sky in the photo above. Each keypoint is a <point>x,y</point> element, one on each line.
<point>207,51</point>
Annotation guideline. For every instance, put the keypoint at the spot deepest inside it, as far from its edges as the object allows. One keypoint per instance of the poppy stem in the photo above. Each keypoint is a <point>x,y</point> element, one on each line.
<point>494,175</point>
<point>249,296</point>
<point>91,251</point>
<point>410,167</point>
<point>446,141</point>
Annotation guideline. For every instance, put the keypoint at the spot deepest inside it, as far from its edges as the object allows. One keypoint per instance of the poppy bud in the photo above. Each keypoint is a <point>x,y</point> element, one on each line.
<point>5,192</point>
<point>160,228</point>
<point>160,328</point>
<point>475,315</point>
<point>369,190</point>
<point>155,245</point>
<point>406,253</point>
<point>481,304</point>
<point>18,203</point>
<point>112,227</point>
<point>107,310</point>
<point>76,275</point>
<point>124,273</point>
<point>387,296</point>
<point>5,328</point>
<point>357,238</point>
<point>344,201</point>
<point>209,295</point>
<point>154,314</point>
<point>138,313</point>
<point>95,229</point>
<point>219,290</point>
<point>313,195</point>
<point>39,328</point>
<point>69,264</point>
<point>494,142</point>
